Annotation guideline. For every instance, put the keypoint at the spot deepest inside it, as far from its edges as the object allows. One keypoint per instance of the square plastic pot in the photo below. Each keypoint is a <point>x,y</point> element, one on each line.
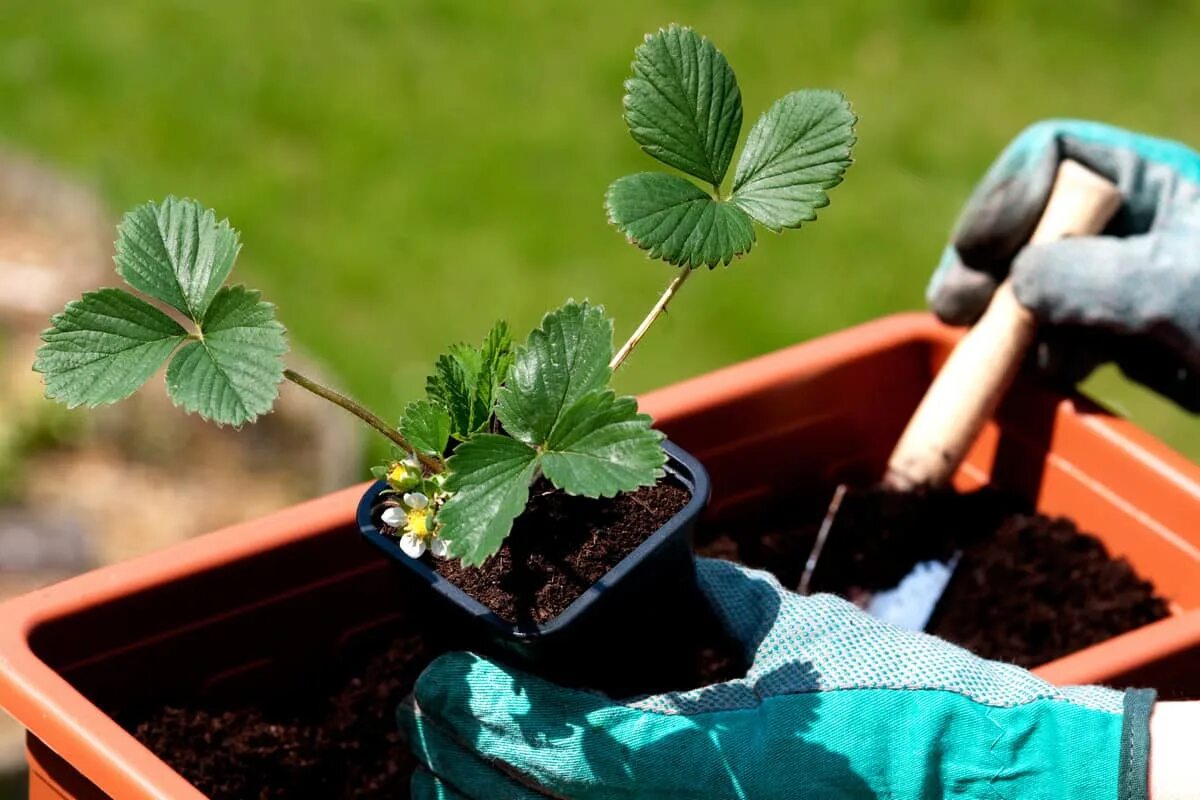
<point>236,610</point>
<point>617,623</point>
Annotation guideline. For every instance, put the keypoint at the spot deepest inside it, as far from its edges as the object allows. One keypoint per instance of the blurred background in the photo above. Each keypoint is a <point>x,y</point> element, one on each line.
<point>403,173</point>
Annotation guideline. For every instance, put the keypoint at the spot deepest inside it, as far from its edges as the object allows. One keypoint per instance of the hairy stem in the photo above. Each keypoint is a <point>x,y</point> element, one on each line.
<point>659,308</point>
<point>366,416</point>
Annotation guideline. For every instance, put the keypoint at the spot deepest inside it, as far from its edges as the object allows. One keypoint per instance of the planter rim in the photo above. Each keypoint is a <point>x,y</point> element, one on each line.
<point>681,466</point>
<point>797,361</point>
<point>56,713</point>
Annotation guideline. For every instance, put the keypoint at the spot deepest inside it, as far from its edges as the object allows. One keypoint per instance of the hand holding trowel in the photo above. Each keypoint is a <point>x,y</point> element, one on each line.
<point>965,393</point>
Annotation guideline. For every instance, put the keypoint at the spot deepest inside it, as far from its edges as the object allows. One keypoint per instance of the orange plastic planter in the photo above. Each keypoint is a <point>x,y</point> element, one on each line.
<point>226,612</point>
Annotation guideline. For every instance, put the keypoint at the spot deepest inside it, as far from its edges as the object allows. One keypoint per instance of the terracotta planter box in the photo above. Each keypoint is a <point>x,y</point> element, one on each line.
<point>226,612</point>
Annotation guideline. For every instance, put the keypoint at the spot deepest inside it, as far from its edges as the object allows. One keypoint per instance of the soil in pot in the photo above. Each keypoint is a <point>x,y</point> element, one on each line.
<point>559,547</point>
<point>1029,588</point>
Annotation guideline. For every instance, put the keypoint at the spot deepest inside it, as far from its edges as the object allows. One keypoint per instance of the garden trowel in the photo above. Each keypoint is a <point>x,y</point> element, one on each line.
<point>966,392</point>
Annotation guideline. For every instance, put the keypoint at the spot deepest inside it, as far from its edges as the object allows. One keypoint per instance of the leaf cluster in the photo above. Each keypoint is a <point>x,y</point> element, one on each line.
<point>543,408</point>
<point>105,345</point>
<point>684,107</point>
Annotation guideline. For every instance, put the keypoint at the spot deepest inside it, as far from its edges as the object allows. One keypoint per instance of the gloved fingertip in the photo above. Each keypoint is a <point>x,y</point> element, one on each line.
<point>460,693</point>
<point>948,259</point>
<point>745,601</point>
<point>443,681</point>
<point>962,294</point>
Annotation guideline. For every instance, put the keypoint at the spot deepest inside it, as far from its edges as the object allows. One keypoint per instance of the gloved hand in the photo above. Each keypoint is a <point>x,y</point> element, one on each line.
<point>836,704</point>
<point>1130,296</point>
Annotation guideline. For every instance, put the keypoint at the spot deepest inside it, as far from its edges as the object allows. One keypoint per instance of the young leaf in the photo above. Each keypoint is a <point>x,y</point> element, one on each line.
<point>678,221</point>
<point>490,477</point>
<point>452,386</point>
<point>563,359</point>
<point>426,426</point>
<point>683,105</point>
<point>602,446</point>
<point>466,379</point>
<point>176,252</point>
<point>796,151</point>
<point>495,358</point>
<point>102,347</point>
<point>231,374</point>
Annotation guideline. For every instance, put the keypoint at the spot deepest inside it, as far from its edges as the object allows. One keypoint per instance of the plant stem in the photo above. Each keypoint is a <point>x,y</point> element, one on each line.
<point>366,416</point>
<point>659,308</point>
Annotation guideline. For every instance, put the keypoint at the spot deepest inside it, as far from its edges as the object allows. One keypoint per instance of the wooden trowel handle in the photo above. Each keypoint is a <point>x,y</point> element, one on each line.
<point>970,385</point>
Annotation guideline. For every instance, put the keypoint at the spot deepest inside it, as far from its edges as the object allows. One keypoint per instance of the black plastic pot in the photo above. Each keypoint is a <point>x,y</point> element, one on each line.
<point>627,614</point>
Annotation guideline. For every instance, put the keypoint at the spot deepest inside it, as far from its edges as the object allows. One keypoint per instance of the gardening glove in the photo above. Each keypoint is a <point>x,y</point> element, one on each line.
<point>836,704</point>
<point>1131,296</point>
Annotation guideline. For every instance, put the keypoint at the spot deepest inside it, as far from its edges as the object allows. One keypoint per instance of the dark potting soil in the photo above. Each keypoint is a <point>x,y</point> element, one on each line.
<point>1028,589</point>
<point>560,546</point>
<point>335,736</point>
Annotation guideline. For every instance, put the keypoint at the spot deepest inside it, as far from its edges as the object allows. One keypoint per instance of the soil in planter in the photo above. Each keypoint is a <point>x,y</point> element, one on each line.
<point>1028,589</point>
<point>333,735</point>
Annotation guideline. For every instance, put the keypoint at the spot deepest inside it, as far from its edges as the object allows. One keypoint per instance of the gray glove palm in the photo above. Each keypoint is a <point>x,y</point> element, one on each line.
<point>1131,296</point>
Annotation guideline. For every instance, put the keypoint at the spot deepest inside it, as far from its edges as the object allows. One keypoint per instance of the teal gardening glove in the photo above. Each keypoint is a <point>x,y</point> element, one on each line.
<point>835,704</point>
<point>1131,296</point>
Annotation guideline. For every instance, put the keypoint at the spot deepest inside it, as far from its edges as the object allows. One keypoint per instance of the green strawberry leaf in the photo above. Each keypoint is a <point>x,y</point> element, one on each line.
<point>495,359</point>
<point>561,418</point>
<point>677,221</point>
<point>452,386</point>
<point>683,105</point>
<point>489,477</point>
<point>465,381</point>
<point>563,359</point>
<point>107,344</point>
<point>602,446</point>
<point>426,426</point>
<point>176,252</point>
<point>231,374</point>
<point>102,347</point>
<point>794,153</point>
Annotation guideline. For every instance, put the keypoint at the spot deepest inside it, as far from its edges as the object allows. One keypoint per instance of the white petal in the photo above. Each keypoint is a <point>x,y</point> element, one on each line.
<point>438,547</point>
<point>412,461</point>
<point>412,546</point>
<point>394,517</point>
<point>415,500</point>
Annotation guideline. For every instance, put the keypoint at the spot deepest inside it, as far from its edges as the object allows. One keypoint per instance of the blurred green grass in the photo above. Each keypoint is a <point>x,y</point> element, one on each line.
<point>403,173</point>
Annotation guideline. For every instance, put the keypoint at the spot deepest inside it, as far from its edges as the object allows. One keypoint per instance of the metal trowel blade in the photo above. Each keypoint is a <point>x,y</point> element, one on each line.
<point>911,603</point>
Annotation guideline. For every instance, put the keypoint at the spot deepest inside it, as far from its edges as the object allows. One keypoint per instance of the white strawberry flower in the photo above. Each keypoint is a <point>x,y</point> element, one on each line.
<point>412,545</point>
<point>438,547</point>
<point>416,501</point>
<point>394,517</point>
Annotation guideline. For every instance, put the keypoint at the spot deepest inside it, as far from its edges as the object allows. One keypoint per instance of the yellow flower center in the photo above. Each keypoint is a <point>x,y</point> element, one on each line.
<point>418,522</point>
